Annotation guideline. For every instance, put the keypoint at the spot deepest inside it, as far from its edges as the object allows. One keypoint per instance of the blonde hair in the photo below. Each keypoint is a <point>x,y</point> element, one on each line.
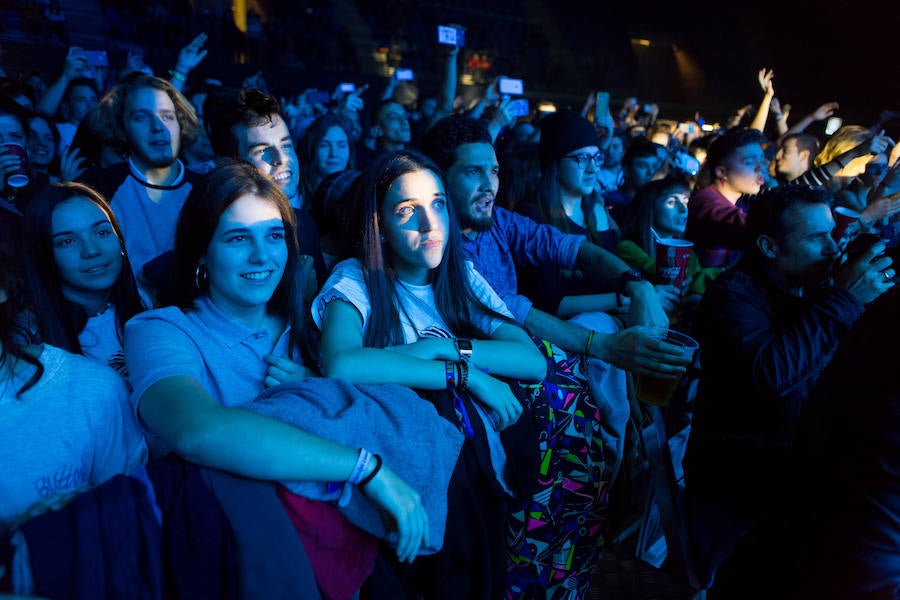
<point>844,139</point>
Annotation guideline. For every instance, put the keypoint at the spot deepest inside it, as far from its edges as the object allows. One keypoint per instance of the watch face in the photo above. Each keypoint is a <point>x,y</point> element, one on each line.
<point>465,345</point>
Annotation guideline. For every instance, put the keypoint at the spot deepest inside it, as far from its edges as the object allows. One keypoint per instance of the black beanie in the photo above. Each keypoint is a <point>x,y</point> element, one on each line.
<point>562,132</point>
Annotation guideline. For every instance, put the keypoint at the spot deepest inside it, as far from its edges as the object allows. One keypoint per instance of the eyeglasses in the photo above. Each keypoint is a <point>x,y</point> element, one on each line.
<point>583,159</point>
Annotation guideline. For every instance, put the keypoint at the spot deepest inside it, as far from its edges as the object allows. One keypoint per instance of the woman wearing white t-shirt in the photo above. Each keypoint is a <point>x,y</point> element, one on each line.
<point>81,284</point>
<point>409,310</point>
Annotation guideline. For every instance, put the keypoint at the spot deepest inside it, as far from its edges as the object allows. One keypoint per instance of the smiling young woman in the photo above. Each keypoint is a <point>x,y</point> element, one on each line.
<point>78,274</point>
<point>238,329</point>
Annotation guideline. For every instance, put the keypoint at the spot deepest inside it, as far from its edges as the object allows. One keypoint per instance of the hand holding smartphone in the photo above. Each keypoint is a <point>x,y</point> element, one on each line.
<point>511,87</point>
<point>519,108</point>
<point>451,35</point>
<point>601,106</point>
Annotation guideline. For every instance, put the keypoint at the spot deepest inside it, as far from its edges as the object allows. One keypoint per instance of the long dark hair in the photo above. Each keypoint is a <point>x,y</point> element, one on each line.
<point>61,320</point>
<point>310,143</point>
<point>199,217</point>
<point>12,347</point>
<point>642,213</point>
<point>549,201</point>
<point>453,296</point>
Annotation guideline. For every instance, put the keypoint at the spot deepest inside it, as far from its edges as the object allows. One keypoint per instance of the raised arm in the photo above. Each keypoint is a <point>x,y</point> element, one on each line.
<point>822,112</point>
<point>189,57</point>
<point>780,117</point>
<point>765,82</point>
<point>448,86</point>
<point>76,65</point>
<point>821,174</point>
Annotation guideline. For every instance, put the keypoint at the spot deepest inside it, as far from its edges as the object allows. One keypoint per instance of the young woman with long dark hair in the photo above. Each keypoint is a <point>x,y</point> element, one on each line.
<point>410,310</point>
<point>80,280</point>
<point>237,329</point>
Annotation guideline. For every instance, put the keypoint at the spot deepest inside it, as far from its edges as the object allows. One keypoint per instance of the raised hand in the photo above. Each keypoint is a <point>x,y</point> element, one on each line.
<point>765,77</point>
<point>351,103</point>
<point>825,111</point>
<point>191,55</point>
<point>76,64</point>
<point>72,165</point>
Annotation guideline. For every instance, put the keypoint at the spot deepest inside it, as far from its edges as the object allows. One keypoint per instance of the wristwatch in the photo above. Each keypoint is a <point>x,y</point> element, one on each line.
<point>626,278</point>
<point>464,349</point>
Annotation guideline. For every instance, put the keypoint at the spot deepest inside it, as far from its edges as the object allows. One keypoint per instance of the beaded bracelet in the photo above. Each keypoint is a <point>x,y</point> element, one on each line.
<point>463,375</point>
<point>368,478</point>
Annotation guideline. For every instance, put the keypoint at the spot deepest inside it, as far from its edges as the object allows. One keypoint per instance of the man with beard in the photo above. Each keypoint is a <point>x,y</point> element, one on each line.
<point>767,328</point>
<point>498,241</point>
<point>150,120</point>
<point>583,422</point>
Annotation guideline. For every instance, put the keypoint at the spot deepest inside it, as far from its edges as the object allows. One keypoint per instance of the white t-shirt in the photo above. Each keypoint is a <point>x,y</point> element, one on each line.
<point>100,341</point>
<point>74,429</point>
<point>419,318</point>
<point>418,315</point>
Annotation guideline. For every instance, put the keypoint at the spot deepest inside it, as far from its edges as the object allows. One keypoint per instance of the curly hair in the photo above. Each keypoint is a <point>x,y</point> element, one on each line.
<point>445,136</point>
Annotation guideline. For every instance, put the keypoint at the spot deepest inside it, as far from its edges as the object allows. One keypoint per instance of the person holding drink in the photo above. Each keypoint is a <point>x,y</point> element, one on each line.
<point>767,329</point>
<point>655,231</point>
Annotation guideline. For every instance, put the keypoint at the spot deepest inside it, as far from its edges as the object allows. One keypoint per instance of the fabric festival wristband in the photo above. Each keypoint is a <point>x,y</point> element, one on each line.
<point>361,463</point>
<point>450,374</point>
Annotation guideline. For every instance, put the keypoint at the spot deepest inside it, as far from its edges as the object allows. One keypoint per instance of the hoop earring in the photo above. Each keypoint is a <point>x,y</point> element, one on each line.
<point>201,277</point>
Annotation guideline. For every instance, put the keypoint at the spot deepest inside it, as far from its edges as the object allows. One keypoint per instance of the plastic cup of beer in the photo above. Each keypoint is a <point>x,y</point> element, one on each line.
<point>843,219</point>
<point>672,257</point>
<point>655,390</point>
<point>19,177</point>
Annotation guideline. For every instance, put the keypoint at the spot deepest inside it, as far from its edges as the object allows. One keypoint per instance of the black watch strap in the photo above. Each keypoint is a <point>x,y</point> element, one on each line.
<point>626,278</point>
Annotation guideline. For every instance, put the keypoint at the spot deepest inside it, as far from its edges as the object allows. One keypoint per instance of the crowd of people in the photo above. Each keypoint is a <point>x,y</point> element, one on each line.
<point>354,348</point>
